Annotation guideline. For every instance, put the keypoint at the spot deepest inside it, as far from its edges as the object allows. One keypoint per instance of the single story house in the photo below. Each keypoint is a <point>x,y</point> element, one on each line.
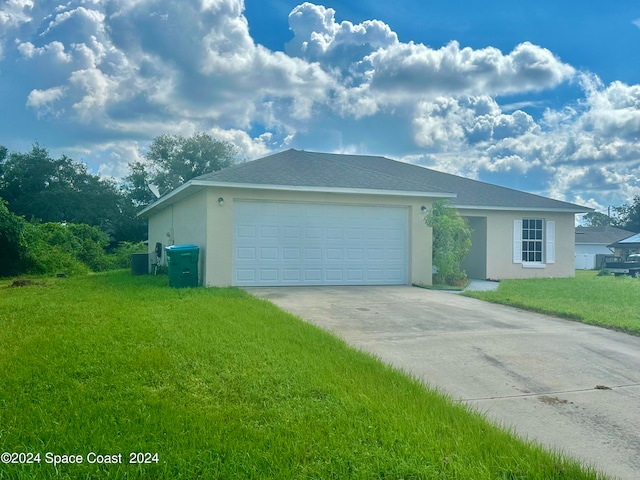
<point>306,218</point>
<point>592,245</point>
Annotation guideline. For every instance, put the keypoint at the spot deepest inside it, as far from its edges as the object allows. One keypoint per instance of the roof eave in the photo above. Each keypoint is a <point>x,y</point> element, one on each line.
<point>169,196</point>
<point>576,210</point>
<point>358,191</point>
<point>290,188</point>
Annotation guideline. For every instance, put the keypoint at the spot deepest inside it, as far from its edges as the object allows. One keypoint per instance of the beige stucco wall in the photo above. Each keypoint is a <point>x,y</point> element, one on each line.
<point>219,260</point>
<point>182,222</point>
<point>201,220</point>
<point>500,244</point>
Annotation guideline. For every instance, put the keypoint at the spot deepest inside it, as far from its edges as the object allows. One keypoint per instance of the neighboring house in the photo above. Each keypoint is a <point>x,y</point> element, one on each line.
<point>627,246</point>
<point>303,218</point>
<point>593,242</point>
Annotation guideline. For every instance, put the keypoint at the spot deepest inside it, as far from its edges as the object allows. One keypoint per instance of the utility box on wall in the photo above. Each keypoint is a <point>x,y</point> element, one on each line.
<point>183,265</point>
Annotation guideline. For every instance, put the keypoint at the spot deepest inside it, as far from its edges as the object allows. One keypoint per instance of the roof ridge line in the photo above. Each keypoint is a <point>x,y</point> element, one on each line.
<point>413,182</point>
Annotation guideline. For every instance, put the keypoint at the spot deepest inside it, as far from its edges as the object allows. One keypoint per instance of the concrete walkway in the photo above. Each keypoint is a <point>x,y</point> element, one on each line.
<point>482,285</point>
<point>568,386</point>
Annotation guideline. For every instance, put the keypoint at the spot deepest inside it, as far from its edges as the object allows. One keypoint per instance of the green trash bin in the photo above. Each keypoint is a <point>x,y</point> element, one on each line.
<point>183,265</point>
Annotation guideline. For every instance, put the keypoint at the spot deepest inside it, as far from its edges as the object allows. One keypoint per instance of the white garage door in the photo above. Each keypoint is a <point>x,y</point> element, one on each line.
<point>312,244</point>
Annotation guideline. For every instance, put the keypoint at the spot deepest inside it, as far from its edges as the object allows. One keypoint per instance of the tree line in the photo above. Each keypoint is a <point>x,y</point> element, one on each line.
<point>53,207</point>
<point>626,216</point>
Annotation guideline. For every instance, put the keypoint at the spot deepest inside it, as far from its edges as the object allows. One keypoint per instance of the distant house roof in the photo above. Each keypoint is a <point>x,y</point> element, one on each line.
<point>630,242</point>
<point>301,170</point>
<point>603,235</point>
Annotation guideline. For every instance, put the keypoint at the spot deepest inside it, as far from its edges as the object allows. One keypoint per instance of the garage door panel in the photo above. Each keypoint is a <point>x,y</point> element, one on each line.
<point>355,254</point>
<point>245,275</point>
<point>313,275</point>
<point>355,233</point>
<point>334,275</point>
<point>334,254</point>
<point>355,274</point>
<point>312,244</point>
<point>268,275</point>
<point>246,231</point>
<point>246,253</point>
<point>313,233</point>
<point>395,254</point>
<point>313,254</point>
<point>268,232</point>
<point>289,232</point>
<point>289,253</point>
<point>270,253</point>
<point>291,275</point>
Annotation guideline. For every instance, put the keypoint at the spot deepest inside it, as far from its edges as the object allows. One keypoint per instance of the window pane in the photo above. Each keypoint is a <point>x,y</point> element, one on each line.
<point>538,257</point>
<point>539,224</point>
<point>525,234</point>
<point>525,223</point>
<point>539,235</point>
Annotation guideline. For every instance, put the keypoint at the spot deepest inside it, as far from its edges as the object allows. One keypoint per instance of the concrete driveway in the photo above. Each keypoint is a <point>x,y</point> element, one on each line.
<point>566,385</point>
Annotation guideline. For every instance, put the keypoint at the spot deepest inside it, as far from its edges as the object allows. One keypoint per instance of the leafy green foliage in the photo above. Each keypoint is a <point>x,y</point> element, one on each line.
<point>51,248</point>
<point>596,219</point>
<point>120,257</point>
<point>41,188</point>
<point>172,160</point>
<point>43,257</point>
<point>12,248</point>
<point>451,242</point>
<point>628,215</point>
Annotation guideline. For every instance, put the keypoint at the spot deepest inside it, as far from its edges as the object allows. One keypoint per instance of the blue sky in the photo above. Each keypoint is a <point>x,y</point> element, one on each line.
<point>543,96</point>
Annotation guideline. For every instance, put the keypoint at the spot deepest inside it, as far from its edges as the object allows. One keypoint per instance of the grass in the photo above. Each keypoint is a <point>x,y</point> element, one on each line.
<point>607,301</point>
<point>223,385</point>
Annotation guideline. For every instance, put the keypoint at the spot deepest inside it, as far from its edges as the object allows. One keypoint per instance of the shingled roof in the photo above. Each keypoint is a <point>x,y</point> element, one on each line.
<point>604,235</point>
<point>325,170</point>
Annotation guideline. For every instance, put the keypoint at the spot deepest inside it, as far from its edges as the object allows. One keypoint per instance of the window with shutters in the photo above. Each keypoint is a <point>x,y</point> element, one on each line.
<point>532,236</point>
<point>534,242</point>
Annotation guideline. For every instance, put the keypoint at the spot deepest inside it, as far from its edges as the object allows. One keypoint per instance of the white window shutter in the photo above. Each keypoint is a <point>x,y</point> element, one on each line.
<point>551,242</point>
<point>517,241</point>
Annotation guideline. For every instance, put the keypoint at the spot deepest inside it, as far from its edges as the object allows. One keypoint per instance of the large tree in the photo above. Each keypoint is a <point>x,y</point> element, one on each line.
<point>629,215</point>
<point>172,160</point>
<point>596,219</point>
<point>42,188</point>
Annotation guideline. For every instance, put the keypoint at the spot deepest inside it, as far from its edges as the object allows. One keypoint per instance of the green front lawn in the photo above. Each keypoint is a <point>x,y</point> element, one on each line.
<point>608,301</point>
<point>214,383</point>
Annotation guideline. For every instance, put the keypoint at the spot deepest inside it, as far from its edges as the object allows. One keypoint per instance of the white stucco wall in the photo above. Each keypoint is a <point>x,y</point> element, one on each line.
<point>182,222</point>
<point>500,244</point>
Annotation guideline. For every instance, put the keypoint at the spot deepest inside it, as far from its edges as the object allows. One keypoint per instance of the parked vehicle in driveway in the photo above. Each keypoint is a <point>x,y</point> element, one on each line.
<point>618,266</point>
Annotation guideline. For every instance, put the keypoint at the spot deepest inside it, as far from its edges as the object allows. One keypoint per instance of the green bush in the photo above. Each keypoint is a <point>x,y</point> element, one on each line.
<point>44,257</point>
<point>12,248</point>
<point>50,248</point>
<point>85,243</point>
<point>120,257</point>
<point>451,242</point>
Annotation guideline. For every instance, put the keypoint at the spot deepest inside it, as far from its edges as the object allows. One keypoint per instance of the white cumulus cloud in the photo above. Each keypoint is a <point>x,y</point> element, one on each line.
<point>43,101</point>
<point>125,71</point>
